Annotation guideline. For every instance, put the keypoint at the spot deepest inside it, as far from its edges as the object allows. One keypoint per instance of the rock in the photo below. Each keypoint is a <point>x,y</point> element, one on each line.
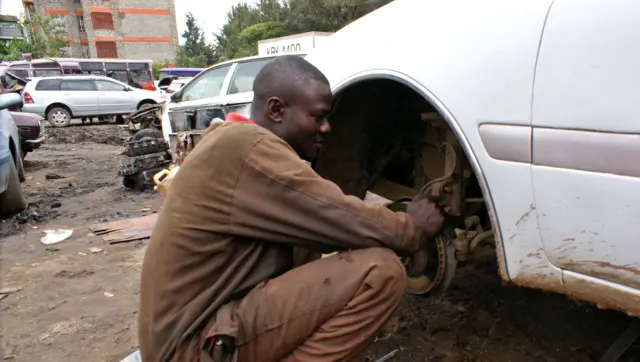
<point>53,176</point>
<point>56,205</point>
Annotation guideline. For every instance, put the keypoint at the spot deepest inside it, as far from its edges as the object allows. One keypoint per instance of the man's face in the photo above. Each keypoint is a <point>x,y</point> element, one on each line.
<point>305,119</point>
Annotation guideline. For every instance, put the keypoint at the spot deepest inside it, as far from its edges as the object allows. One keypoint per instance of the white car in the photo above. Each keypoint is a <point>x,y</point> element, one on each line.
<point>61,98</point>
<point>220,89</point>
<point>519,117</point>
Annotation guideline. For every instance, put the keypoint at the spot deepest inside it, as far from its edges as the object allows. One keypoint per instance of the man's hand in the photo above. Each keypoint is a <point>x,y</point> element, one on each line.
<point>426,215</point>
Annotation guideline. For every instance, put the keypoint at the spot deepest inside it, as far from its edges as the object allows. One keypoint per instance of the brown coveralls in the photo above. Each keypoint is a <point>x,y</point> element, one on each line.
<point>243,211</point>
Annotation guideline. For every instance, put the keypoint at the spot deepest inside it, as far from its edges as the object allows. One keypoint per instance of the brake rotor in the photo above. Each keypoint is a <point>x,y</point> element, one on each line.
<point>430,270</point>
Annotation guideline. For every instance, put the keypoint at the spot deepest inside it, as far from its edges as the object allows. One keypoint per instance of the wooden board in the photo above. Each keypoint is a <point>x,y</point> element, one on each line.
<point>121,231</point>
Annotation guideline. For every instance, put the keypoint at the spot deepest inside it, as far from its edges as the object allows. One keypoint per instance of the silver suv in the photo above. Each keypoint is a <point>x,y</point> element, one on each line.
<point>61,98</point>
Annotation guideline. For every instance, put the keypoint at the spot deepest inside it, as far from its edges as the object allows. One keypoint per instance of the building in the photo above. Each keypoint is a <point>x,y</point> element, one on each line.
<point>127,29</point>
<point>9,28</point>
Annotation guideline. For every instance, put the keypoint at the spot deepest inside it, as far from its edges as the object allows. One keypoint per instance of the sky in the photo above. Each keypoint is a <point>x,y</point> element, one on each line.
<point>211,15</point>
<point>12,7</point>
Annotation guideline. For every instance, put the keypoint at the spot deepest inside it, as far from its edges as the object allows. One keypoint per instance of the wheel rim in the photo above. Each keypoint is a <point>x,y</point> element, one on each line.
<point>59,117</point>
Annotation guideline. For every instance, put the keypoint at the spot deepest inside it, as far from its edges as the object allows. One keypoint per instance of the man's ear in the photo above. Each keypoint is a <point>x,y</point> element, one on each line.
<point>275,109</point>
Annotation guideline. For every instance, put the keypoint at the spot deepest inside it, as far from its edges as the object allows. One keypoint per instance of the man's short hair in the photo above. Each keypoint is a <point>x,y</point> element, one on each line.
<point>284,77</point>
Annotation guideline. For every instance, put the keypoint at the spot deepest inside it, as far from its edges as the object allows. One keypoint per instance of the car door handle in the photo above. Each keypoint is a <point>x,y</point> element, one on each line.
<point>67,94</point>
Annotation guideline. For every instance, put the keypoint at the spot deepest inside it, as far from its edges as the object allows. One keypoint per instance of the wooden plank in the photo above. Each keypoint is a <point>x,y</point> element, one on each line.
<point>128,235</point>
<point>121,231</point>
<point>111,226</point>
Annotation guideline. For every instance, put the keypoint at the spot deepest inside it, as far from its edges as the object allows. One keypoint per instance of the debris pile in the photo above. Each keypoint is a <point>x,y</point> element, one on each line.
<point>115,136</point>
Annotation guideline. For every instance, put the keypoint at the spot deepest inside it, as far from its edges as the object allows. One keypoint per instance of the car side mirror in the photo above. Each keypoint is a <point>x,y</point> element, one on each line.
<point>127,89</point>
<point>10,100</point>
<point>177,96</point>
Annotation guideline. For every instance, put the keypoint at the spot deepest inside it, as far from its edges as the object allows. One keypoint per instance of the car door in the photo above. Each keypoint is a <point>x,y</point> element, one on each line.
<point>114,97</point>
<point>203,91</point>
<point>80,96</point>
<point>586,136</point>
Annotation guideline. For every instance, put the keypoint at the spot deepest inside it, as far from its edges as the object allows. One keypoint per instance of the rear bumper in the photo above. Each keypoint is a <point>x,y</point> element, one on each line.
<point>34,108</point>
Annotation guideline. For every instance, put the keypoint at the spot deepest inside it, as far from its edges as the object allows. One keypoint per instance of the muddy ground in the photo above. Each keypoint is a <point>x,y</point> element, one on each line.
<point>75,304</point>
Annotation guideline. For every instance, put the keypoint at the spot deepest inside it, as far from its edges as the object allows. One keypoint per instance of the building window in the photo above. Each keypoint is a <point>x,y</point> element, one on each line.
<point>58,21</point>
<point>106,49</point>
<point>85,51</point>
<point>102,21</point>
<point>81,27</point>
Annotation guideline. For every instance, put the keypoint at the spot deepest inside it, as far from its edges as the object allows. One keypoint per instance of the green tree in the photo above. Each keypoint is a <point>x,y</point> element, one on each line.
<point>228,44</point>
<point>246,25</point>
<point>193,36</point>
<point>195,52</point>
<point>42,38</point>
<point>248,38</point>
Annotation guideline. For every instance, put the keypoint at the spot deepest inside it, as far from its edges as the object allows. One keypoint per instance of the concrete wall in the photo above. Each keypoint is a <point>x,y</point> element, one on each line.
<point>146,32</point>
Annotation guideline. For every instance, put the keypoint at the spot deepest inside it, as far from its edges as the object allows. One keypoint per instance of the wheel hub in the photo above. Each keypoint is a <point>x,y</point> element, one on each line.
<point>431,269</point>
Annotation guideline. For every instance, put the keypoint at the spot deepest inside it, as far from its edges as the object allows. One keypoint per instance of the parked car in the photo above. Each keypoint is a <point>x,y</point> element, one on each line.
<point>31,129</point>
<point>176,84</point>
<point>518,117</point>
<point>228,85</point>
<point>62,98</point>
<point>11,170</point>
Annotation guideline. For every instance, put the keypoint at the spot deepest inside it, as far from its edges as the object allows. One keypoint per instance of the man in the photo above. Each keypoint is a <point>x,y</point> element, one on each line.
<point>234,257</point>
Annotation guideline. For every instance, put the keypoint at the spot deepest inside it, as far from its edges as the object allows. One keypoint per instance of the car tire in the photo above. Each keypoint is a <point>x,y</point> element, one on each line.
<point>20,169</point>
<point>11,200</point>
<point>147,133</point>
<point>59,117</point>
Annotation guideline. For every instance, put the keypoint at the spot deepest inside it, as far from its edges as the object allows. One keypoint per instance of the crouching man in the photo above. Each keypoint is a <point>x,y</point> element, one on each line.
<point>233,268</point>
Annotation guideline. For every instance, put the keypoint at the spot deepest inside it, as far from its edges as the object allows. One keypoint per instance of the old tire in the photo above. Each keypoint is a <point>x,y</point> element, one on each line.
<point>11,200</point>
<point>21,174</point>
<point>59,117</point>
<point>147,133</point>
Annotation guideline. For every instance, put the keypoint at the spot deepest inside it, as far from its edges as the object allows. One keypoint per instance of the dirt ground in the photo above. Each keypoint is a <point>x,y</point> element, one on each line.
<point>75,304</point>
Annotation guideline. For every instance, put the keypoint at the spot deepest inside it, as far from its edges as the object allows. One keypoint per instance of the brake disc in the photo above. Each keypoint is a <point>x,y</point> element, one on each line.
<point>430,270</point>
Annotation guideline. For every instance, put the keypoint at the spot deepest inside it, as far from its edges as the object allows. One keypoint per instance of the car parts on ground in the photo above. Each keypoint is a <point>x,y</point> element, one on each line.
<point>146,152</point>
<point>148,116</point>
<point>144,157</point>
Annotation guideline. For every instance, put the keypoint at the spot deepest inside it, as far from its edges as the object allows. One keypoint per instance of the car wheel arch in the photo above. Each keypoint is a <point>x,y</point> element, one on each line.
<point>430,97</point>
<point>58,105</point>
<point>17,159</point>
<point>146,101</point>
